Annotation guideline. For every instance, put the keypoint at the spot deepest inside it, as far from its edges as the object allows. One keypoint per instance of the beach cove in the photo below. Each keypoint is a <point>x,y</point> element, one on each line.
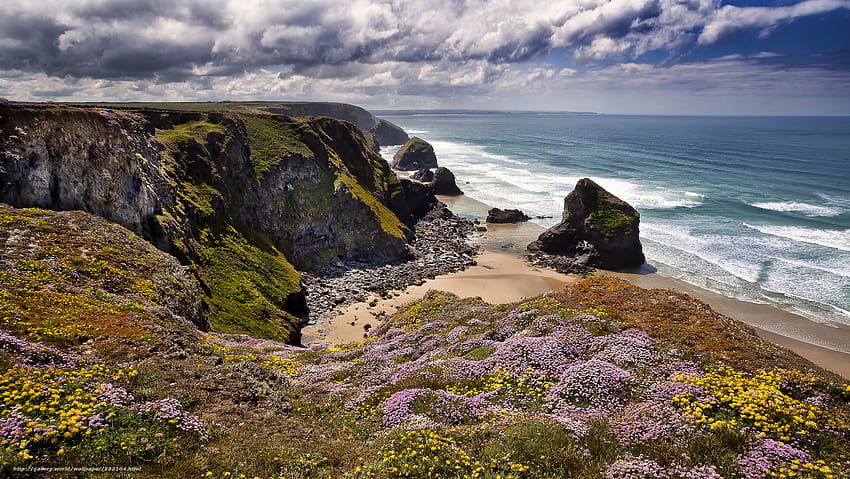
<point>501,275</point>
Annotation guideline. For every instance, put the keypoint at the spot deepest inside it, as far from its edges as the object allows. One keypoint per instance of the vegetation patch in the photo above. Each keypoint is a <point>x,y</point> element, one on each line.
<point>273,138</point>
<point>612,221</point>
<point>58,283</point>
<point>250,287</point>
<point>192,131</point>
<point>451,387</point>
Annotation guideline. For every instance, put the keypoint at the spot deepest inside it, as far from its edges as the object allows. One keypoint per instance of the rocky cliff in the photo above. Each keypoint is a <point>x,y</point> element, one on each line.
<point>242,198</point>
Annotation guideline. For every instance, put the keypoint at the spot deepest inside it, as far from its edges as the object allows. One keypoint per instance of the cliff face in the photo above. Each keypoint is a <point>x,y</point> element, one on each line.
<point>99,161</point>
<point>241,198</point>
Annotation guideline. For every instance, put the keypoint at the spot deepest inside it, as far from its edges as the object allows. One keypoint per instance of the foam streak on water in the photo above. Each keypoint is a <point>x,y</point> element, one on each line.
<point>754,208</point>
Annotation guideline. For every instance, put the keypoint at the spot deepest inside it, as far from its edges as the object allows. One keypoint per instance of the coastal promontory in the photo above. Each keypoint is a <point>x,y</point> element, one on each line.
<point>244,199</point>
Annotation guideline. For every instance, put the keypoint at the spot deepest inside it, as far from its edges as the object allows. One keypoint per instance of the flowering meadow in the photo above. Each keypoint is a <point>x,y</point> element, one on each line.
<point>453,387</point>
<point>602,380</point>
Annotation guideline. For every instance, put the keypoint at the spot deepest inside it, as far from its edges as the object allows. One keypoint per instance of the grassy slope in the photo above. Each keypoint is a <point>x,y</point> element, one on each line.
<point>559,386</point>
<point>250,282</point>
<point>83,305</point>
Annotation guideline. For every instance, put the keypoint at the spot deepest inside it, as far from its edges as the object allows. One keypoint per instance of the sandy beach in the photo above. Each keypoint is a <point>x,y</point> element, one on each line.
<point>498,277</point>
<point>502,276</point>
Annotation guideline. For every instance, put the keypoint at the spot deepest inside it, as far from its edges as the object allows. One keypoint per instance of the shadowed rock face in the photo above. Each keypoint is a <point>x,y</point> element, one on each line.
<point>596,226</point>
<point>388,133</point>
<point>423,175</point>
<point>416,154</point>
<point>444,183</point>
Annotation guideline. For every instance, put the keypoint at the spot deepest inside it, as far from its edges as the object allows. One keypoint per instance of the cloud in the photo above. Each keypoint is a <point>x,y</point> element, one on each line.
<point>731,20</point>
<point>386,52</point>
<point>733,84</point>
<point>177,40</point>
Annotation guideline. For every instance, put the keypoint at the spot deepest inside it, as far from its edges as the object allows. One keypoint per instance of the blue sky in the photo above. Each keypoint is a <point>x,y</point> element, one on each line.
<point>609,56</point>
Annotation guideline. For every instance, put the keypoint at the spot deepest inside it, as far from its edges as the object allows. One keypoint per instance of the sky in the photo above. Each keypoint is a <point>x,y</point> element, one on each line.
<point>715,57</point>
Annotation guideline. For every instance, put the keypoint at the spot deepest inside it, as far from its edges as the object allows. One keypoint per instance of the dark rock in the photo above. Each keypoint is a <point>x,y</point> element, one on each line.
<point>444,183</point>
<point>597,228</point>
<point>388,133</point>
<point>419,198</point>
<point>497,215</point>
<point>416,154</point>
<point>423,175</point>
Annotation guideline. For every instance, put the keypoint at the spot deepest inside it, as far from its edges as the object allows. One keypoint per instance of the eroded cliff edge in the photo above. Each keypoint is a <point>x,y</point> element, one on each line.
<point>243,199</point>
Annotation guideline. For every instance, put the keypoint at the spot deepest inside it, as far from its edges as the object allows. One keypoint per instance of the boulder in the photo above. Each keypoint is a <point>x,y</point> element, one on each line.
<point>424,175</point>
<point>597,227</point>
<point>419,198</point>
<point>416,154</point>
<point>497,215</point>
<point>444,183</point>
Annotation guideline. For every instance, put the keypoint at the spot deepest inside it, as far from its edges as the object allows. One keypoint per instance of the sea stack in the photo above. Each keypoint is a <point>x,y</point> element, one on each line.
<point>597,228</point>
<point>423,176</point>
<point>443,183</point>
<point>416,154</point>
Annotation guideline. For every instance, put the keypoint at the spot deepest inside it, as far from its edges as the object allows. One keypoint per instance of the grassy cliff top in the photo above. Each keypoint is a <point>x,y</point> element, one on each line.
<point>603,379</point>
<point>417,144</point>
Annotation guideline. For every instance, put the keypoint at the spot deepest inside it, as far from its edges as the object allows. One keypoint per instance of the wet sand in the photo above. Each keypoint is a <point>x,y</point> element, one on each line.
<point>502,276</point>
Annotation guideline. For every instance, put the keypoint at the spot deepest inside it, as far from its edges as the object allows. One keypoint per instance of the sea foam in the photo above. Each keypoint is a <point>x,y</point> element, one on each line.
<point>797,207</point>
<point>839,240</point>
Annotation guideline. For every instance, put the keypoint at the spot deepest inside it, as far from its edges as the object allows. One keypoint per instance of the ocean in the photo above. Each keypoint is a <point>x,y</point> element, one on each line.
<point>754,208</point>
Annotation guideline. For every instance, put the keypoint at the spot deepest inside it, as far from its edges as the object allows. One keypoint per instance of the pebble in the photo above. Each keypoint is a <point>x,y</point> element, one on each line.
<point>441,246</point>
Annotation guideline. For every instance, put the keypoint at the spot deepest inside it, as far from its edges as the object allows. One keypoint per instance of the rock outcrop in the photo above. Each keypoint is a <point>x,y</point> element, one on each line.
<point>243,199</point>
<point>424,175</point>
<point>597,229</point>
<point>388,133</point>
<point>498,215</point>
<point>444,183</point>
<point>416,154</point>
<point>419,197</point>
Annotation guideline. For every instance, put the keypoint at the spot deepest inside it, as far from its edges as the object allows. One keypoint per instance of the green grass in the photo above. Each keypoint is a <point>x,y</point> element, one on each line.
<point>194,130</point>
<point>612,221</point>
<point>250,287</point>
<point>273,138</point>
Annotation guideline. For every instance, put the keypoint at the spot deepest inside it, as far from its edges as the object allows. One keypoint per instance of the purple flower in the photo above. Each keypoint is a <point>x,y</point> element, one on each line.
<point>631,467</point>
<point>171,411</point>
<point>766,454</point>
<point>594,383</point>
<point>35,353</point>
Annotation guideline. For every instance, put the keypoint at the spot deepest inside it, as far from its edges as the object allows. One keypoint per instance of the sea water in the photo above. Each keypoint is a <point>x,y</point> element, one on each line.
<point>756,208</point>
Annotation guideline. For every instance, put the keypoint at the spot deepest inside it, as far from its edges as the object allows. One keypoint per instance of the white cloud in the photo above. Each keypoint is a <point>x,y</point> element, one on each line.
<point>730,20</point>
<point>475,53</point>
<point>83,38</point>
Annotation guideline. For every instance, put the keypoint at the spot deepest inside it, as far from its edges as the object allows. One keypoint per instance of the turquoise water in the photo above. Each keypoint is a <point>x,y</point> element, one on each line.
<point>753,208</point>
